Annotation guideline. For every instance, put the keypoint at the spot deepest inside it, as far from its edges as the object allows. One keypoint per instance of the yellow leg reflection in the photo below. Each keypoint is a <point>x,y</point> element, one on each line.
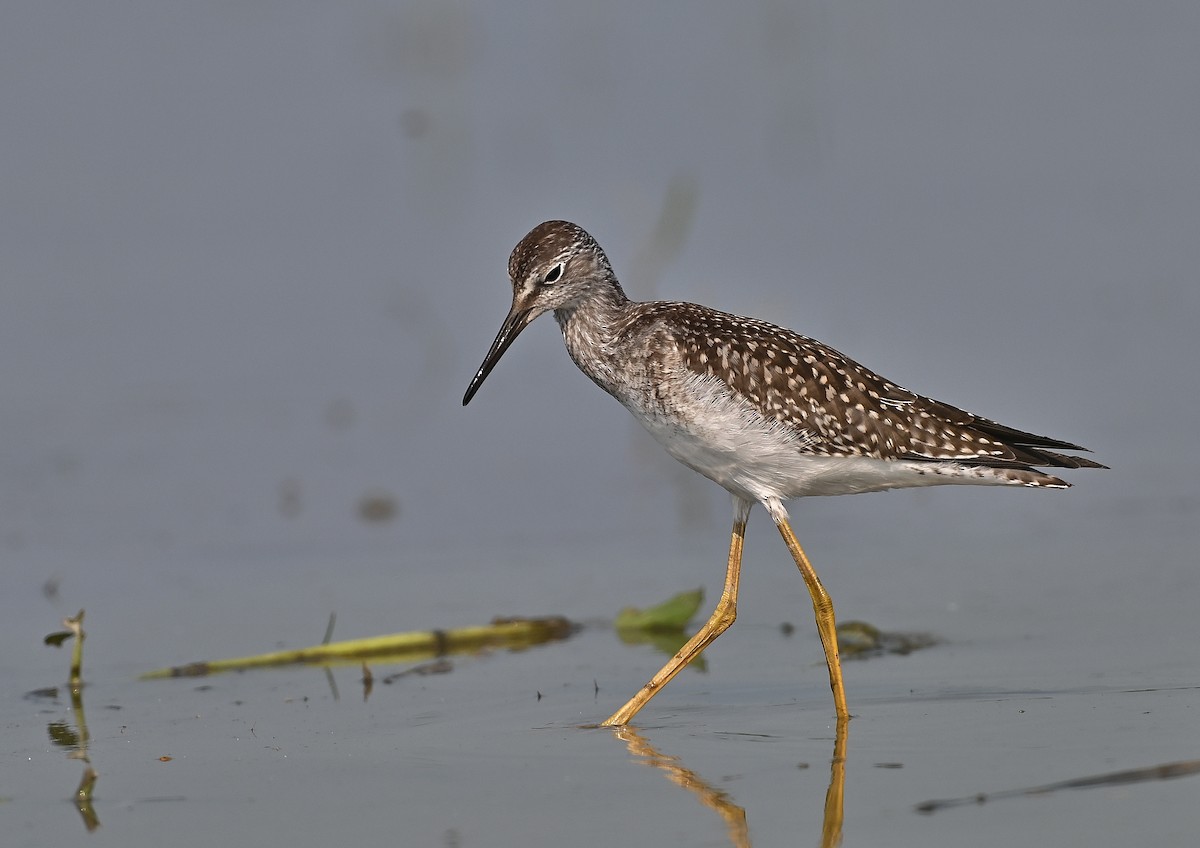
<point>734,815</point>
<point>835,795</point>
<point>711,797</point>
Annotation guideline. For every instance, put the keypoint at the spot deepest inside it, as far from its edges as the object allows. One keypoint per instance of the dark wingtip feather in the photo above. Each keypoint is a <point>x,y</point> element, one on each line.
<point>1063,461</point>
<point>1032,449</point>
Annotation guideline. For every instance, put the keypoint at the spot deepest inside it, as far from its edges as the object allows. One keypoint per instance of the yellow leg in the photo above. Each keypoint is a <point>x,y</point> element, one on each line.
<point>822,607</point>
<point>717,624</point>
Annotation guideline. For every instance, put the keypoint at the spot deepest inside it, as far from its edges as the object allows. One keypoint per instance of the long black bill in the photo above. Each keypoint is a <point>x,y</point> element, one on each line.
<point>517,320</point>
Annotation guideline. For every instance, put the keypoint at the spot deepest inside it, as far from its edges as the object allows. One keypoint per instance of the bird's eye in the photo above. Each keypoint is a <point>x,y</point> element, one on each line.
<point>553,274</point>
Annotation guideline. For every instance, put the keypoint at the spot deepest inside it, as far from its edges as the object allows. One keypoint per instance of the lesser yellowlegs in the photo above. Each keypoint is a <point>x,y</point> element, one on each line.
<point>767,413</point>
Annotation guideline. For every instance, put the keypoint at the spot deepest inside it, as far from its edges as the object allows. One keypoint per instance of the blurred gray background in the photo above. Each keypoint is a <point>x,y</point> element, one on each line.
<point>253,252</point>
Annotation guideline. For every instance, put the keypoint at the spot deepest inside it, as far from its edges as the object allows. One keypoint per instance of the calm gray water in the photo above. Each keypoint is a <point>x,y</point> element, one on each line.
<point>252,256</point>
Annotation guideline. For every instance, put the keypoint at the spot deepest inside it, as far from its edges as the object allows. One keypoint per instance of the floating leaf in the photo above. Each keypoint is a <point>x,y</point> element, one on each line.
<point>859,640</point>
<point>673,614</point>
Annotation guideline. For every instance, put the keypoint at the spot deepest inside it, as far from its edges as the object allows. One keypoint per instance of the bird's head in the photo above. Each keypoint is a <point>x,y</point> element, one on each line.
<point>556,266</point>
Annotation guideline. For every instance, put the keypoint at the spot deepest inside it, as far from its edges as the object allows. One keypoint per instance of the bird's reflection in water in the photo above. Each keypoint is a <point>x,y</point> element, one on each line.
<point>835,795</point>
<point>711,797</point>
<point>717,799</point>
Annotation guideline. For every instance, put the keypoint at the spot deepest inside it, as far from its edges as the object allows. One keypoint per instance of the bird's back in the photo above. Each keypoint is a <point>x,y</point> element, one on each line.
<point>691,373</point>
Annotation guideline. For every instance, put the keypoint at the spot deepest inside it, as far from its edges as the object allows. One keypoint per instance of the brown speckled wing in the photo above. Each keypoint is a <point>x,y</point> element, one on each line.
<point>846,409</point>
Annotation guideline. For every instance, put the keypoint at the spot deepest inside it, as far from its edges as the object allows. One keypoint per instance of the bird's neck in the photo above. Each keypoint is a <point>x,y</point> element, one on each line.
<point>590,326</point>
